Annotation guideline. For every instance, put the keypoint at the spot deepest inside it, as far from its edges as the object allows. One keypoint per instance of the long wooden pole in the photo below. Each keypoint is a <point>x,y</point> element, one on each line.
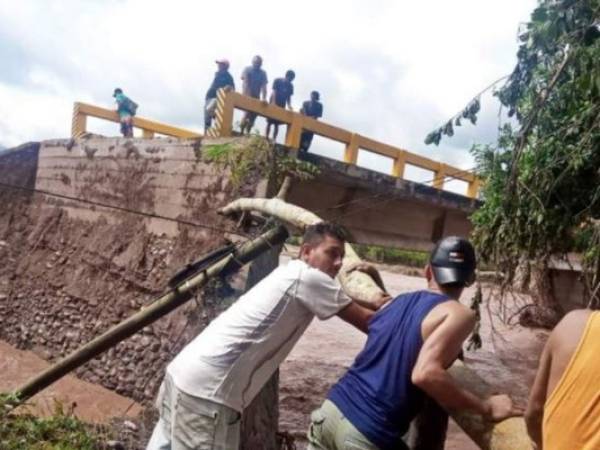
<point>165,304</point>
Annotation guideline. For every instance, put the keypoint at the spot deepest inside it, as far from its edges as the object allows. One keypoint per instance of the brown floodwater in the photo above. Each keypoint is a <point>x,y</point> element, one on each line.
<point>507,360</point>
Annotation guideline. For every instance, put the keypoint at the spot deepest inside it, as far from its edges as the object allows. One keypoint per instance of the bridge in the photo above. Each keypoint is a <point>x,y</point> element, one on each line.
<point>344,191</point>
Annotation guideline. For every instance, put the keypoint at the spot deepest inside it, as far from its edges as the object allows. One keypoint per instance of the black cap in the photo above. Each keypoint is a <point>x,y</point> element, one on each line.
<point>117,91</point>
<point>453,261</point>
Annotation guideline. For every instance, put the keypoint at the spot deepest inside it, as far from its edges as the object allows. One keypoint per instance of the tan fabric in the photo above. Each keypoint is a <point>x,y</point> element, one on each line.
<point>572,412</point>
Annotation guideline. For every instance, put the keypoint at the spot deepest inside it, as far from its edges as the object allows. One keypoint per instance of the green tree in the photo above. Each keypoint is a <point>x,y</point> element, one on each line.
<point>542,178</point>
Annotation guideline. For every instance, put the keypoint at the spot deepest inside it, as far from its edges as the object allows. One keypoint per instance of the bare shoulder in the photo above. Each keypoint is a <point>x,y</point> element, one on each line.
<point>453,309</point>
<point>571,324</point>
<point>457,319</point>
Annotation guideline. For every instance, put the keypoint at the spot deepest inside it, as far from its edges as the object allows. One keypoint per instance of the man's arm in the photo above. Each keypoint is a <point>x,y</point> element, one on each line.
<point>357,315</point>
<point>537,398</point>
<point>245,84</point>
<point>263,90</point>
<point>439,351</point>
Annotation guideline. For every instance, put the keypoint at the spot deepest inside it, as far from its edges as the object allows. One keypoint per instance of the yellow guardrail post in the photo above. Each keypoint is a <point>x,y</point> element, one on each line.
<point>473,189</point>
<point>79,123</point>
<point>294,132</point>
<point>351,151</point>
<point>440,175</point>
<point>224,115</point>
<point>399,164</point>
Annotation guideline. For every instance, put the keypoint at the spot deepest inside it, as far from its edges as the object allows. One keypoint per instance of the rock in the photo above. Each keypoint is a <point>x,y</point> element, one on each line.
<point>115,445</point>
<point>130,425</point>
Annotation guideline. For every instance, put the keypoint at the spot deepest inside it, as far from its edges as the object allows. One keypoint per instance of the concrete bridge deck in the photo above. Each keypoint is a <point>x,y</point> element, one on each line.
<point>381,209</point>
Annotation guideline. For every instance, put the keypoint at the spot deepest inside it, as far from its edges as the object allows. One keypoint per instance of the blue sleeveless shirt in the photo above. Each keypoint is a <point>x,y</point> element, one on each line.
<point>376,394</point>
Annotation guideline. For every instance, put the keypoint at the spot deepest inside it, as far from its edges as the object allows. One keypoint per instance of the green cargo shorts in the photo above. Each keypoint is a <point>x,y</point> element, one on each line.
<point>330,430</point>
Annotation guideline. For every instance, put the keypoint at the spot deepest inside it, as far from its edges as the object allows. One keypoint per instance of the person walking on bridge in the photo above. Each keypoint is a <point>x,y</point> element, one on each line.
<point>211,381</point>
<point>563,412</point>
<point>311,108</point>
<point>410,345</point>
<point>254,84</point>
<point>222,80</point>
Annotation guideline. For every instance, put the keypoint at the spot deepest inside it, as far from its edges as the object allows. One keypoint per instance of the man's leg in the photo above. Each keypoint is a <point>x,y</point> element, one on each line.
<point>330,430</point>
<point>275,131</point>
<point>127,126</point>
<point>200,424</point>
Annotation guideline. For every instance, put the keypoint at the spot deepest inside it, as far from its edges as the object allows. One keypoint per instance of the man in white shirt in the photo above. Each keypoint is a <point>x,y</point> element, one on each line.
<point>216,376</point>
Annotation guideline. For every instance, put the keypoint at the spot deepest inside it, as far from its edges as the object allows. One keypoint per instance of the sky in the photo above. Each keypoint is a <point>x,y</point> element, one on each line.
<point>391,70</point>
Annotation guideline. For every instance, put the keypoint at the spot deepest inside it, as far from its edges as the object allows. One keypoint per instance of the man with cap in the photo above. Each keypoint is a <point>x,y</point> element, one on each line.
<point>254,85</point>
<point>411,342</point>
<point>222,80</point>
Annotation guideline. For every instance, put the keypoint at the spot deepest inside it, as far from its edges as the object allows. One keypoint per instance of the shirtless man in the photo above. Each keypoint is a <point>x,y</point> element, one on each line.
<point>564,406</point>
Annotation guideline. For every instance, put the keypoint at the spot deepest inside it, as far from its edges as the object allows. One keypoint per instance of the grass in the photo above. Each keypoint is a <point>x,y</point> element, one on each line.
<point>375,253</point>
<point>61,431</point>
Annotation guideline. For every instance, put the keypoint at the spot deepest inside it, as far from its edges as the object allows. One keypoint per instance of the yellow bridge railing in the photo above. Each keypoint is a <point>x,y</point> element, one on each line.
<point>228,101</point>
<point>81,111</point>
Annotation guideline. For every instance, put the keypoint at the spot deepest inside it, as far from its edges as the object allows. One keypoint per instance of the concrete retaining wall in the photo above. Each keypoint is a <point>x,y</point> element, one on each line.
<point>70,270</point>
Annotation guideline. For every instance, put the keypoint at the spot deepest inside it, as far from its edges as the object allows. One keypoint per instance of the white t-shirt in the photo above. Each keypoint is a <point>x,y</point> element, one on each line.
<point>233,358</point>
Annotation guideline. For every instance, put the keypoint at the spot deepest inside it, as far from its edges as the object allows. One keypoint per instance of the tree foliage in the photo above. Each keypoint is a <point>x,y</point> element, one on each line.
<point>542,178</point>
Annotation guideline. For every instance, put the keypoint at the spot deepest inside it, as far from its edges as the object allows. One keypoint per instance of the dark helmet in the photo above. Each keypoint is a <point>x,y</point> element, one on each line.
<point>453,261</point>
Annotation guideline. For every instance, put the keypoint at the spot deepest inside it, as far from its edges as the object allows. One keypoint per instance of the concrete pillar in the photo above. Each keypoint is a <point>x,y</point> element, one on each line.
<point>261,417</point>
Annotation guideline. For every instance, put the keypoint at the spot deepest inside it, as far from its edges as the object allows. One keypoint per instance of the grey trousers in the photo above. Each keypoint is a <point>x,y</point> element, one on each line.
<point>192,423</point>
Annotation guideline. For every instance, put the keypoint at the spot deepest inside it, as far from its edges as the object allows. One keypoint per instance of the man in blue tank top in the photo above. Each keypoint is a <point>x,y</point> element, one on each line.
<point>411,342</point>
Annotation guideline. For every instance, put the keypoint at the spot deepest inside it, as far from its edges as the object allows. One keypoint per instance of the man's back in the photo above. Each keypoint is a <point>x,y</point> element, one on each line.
<point>572,408</point>
<point>377,394</point>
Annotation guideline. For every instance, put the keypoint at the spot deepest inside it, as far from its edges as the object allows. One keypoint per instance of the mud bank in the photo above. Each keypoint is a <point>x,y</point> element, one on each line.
<point>69,270</point>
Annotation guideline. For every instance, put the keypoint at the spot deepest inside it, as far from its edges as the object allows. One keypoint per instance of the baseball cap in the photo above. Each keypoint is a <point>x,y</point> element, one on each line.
<point>223,61</point>
<point>453,261</point>
<point>117,91</point>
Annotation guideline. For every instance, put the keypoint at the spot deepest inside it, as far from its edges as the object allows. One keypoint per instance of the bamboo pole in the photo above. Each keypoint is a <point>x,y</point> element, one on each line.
<point>165,304</point>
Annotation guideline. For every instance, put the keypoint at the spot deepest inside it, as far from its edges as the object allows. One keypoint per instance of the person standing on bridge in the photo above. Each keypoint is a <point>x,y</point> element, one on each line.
<point>311,108</point>
<point>283,89</point>
<point>563,412</point>
<point>223,79</point>
<point>411,342</point>
<point>254,84</point>
<point>126,108</point>
<point>211,381</point>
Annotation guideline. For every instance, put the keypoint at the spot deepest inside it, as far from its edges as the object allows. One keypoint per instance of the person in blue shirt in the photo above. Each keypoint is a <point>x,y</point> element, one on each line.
<point>283,89</point>
<point>311,108</point>
<point>223,79</point>
<point>411,342</point>
<point>126,110</point>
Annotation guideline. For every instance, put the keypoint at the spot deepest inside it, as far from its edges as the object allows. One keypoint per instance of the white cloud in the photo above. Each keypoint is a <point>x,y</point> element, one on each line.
<point>391,70</point>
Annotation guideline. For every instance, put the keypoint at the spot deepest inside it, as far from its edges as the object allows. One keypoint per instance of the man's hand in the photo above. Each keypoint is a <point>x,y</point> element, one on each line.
<point>501,407</point>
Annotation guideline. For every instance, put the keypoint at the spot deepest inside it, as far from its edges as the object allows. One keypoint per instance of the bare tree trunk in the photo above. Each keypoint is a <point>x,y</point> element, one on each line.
<point>545,311</point>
